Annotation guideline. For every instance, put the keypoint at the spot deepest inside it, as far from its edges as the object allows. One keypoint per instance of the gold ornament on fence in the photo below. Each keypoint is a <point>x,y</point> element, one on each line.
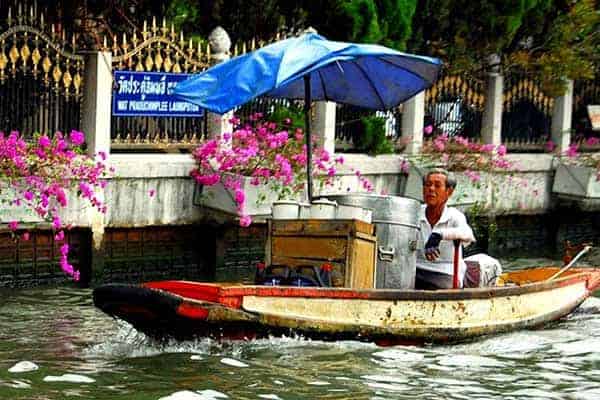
<point>469,90</point>
<point>30,46</point>
<point>529,90</point>
<point>160,49</point>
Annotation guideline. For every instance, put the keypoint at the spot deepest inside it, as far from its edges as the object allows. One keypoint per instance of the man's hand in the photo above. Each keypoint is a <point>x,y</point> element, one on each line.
<point>432,250</point>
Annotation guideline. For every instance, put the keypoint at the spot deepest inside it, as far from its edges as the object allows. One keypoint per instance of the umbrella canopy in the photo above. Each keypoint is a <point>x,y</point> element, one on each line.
<point>309,67</point>
<point>364,75</point>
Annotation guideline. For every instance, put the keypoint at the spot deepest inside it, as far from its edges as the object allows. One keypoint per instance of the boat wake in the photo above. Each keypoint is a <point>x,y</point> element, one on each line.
<point>127,342</point>
<point>590,306</point>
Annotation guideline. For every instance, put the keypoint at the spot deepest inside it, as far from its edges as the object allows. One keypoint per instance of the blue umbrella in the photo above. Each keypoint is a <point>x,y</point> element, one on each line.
<point>310,67</point>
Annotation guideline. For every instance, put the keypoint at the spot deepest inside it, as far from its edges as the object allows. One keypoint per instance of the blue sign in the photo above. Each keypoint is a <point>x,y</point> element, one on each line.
<point>150,94</point>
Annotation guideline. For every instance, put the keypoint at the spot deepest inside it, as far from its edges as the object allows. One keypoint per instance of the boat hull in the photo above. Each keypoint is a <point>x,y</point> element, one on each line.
<point>182,309</point>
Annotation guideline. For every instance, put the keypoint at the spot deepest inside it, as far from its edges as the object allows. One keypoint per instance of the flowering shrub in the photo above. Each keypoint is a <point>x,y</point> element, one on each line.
<point>573,156</point>
<point>458,154</point>
<point>37,175</point>
<point>271,154</point>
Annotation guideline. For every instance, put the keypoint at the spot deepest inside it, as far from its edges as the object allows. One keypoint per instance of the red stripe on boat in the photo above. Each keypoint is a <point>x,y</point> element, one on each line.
<point>190,290</point>
<point>231,301</point>
<point>192,311</point>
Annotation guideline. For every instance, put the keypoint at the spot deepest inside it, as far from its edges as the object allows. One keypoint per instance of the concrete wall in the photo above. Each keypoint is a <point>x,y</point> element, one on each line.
<point>524,190</point>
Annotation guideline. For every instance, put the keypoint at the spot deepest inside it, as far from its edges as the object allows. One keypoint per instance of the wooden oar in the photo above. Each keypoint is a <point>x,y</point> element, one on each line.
<point>456,257</point>
<point>573,261</point>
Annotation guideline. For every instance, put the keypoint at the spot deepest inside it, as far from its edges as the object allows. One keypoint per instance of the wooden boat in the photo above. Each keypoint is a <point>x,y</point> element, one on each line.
<point>181,309</point>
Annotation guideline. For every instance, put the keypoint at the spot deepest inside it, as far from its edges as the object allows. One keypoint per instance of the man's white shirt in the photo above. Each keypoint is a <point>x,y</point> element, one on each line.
<point>452,226</point>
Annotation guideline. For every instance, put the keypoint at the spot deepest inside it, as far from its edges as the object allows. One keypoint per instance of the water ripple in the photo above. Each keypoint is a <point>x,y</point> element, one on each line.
<point>60,331</point>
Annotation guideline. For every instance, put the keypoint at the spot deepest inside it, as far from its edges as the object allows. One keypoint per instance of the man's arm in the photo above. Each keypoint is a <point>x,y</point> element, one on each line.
<point>459,230</point>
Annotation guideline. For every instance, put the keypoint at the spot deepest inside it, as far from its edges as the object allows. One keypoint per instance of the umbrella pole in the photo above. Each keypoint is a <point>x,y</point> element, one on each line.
<point>307,101</point>
<point>455,276</point>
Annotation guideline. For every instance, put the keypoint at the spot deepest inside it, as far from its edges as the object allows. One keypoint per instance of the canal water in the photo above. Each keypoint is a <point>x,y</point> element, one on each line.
<point>55,345</point>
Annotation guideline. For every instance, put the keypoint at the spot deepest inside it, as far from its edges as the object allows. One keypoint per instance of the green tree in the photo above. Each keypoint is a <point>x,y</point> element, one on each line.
<point>566,44</point>
<point>388,22</point>
<point>549,39</point>
<point>466,33</point>
<point>358,21</point>
<point>395,21</point>
<point>182,13</point>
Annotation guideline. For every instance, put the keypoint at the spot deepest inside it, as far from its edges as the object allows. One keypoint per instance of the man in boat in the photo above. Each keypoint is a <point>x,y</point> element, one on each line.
<point>440,227</point>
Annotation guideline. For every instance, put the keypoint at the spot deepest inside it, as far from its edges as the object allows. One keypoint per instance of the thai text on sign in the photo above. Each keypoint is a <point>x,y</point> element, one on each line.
<point>150,94</point>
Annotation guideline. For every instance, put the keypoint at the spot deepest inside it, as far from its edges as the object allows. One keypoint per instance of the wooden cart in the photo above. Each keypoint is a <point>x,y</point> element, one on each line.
<point>350,246</point>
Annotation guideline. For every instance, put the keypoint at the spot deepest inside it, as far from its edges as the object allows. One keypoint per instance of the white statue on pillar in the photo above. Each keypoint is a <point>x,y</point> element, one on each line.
<point>220,45</point>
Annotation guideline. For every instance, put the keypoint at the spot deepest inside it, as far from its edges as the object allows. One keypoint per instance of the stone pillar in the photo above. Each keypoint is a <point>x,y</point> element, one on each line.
<point>324,124</point>
<point>220,45</point>
<point>97,99</point>
<point>218,124</point>
<point>413,116</point>
<point>96,114</point>
<point>561,118</point>
<point>491,125</point>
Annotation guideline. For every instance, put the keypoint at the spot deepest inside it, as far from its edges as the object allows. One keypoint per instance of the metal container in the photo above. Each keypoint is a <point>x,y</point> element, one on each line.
<point>352,212</point>
<point>285,209</point>
<point>396,222</point>
<point>323,209</point>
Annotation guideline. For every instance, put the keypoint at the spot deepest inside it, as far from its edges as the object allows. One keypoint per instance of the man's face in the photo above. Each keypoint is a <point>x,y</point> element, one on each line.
<point>435,190</point>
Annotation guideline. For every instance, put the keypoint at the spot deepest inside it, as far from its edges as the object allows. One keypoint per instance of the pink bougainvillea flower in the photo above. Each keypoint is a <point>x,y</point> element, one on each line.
<point>77,138</point>
<point>404,166</point>
<point>86,190</point>
<point>550,146</point>
<point>267,153</point>
<point>474,176</point>
<point>572,151</point>
<point>64,249</point>
<point>459,154</point>
<point>13,225</point>
<point>151,192</point>
<point>240,197</point>
<point>501,150</point>
<point>428,130</point>
<point>592,141</point>
<point>245,220</point>
<point>44,170</point>
<point>44,141</point>
<point>463,141</point>
<point>25,236</point>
